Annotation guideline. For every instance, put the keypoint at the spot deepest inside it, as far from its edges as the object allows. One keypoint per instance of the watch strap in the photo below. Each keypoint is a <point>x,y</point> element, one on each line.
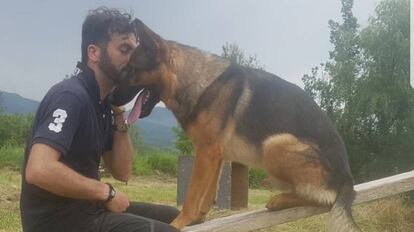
<point>111,193</point>
<point>121,127</point>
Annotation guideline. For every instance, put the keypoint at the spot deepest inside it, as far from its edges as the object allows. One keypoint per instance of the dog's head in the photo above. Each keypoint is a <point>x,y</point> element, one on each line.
<point>143,74</point>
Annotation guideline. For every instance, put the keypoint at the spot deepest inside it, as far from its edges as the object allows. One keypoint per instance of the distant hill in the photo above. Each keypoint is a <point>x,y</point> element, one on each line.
<point>156,129</point>
<point>13,103</point>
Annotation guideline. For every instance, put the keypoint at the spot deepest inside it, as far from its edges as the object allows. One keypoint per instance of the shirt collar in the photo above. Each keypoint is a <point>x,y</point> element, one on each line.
<point>87,77</point>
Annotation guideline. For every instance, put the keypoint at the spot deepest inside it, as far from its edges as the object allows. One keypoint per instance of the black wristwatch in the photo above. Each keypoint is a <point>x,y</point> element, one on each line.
<point>121,127</point>
<point>111,194</point>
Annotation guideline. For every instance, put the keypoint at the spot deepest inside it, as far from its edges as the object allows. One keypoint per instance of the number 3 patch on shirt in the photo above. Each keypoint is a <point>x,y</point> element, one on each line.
<point>60,117</point>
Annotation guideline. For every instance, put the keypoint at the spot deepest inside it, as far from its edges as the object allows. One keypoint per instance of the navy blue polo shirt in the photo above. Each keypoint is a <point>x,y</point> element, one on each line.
<point>73,120</point>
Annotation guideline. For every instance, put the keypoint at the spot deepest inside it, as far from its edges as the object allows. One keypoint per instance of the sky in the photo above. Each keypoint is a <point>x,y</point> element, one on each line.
<point>40,39</point>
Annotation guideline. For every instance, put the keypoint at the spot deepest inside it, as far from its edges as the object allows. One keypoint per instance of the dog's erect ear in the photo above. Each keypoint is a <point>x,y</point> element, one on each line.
<point>151,49</point>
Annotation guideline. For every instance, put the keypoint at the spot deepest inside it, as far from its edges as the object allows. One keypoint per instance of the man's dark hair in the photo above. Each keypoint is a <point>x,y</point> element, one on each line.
<point>100,24</point>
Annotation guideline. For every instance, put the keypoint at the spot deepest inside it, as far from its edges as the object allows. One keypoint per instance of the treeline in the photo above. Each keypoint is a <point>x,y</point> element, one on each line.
<point>364,88</point>
<point>15,129</point>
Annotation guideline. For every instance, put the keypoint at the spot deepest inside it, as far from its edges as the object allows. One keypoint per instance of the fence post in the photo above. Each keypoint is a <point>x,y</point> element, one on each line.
<point>239,186</point>
<point>233,185</point>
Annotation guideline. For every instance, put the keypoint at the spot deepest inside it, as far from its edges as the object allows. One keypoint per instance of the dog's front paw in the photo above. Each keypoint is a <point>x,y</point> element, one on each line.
<point>179,223</point>
<point>199,220</point>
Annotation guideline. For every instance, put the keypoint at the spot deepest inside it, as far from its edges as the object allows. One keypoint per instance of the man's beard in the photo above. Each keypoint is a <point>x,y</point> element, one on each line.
<point>109,69</point>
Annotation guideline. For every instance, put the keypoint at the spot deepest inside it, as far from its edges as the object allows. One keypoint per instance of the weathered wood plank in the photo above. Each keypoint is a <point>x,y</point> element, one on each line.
<point>384,187</point>
<point>259,219</point>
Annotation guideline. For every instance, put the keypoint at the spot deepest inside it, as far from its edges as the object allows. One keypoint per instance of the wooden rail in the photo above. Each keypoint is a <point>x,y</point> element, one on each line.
<point>259,219</point>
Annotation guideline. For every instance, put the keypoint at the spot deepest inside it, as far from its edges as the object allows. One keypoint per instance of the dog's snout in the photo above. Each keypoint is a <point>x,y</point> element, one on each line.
<point>127,74</point>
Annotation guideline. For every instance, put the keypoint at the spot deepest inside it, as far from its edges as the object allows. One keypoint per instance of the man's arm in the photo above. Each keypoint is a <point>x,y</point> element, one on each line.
<point>119,159</point>
<point>44,170</point>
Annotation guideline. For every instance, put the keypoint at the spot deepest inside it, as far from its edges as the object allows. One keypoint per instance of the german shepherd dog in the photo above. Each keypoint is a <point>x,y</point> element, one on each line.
<point>245,115</point>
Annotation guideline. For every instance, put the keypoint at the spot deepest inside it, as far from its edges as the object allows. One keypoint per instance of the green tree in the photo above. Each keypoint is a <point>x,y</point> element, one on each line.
<point>1,103</point>
<point>333,83</point>
<point>236,55</point>
<point>364,88</point>
<point>385,98</point>
<point>136,138</point>
<point>182,143</point>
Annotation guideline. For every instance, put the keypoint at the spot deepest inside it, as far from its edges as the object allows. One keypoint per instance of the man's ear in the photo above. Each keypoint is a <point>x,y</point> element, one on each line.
<point>94,53</point>
<point>151,49</point>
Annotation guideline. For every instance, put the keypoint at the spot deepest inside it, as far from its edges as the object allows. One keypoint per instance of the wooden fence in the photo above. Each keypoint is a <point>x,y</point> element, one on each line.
<point>259,219</point>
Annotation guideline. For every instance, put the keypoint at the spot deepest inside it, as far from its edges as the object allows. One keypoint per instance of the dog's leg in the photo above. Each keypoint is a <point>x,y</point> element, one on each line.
<point>211,194</point>
<point>201,192</point>
<point>287,200</point>
<point>288,159</point>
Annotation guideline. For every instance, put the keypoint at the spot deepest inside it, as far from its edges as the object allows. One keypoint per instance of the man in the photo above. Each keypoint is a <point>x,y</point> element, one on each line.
<point>74,127</point>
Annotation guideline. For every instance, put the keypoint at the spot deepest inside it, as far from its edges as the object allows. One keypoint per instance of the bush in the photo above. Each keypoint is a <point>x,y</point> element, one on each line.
<point>140,167</point>
<point>256,177</point>
<point>166,164</point>
<point>15,129</point>
<point>153,161</point>
<point>182,143</point>
<point>11,157</point>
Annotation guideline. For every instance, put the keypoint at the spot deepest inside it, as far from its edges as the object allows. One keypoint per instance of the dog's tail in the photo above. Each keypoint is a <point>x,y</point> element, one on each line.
<point>341,219</point>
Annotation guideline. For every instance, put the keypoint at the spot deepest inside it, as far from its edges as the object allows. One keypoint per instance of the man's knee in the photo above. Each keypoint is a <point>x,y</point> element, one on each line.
<point>161,213</point>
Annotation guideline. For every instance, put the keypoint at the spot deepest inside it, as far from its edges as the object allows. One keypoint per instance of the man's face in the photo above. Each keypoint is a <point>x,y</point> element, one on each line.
<point>115,56</point>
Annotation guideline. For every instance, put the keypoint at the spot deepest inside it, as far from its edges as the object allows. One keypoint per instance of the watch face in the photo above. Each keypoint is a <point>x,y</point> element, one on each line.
<point>121,127</point>
<point>113,192</point>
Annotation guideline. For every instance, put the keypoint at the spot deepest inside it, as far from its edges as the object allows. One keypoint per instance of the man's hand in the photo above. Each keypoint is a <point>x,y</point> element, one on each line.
<point>119,203</point>
<point>119,159</point>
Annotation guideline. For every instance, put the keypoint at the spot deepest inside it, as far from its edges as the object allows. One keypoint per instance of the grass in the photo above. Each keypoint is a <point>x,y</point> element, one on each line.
<point>395,214</point>
<point>9,200</point>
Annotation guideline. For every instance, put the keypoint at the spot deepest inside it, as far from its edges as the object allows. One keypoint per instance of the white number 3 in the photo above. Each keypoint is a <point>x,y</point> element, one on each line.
<point>60,117</point>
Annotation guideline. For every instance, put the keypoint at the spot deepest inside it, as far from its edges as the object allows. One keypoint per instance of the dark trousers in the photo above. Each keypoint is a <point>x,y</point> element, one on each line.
<point>139,217</point>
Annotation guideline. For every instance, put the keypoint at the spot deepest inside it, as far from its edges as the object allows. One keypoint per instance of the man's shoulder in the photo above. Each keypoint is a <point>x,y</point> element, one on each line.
<point>68,87</point>
<point>68,92</point>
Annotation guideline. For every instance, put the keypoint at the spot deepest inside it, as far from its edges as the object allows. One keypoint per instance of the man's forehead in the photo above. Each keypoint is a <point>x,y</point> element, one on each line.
<point>124,38</point>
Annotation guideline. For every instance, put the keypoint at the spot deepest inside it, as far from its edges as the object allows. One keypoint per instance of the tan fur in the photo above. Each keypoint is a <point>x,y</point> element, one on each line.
<point>189,62</point>
<point>286,201</point>
<point>296,163</point>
